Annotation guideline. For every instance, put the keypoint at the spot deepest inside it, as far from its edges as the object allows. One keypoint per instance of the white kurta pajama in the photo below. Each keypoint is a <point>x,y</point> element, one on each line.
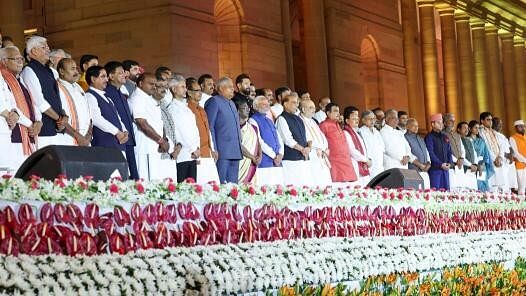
<point>511,173</point>
<point>357,156</point>
<point>499,180</point>
<point>321,172</point>
<point>150,164</point>
<point>270,175</point>
<point>375,147</point>
<point>297,172</point>
<point>11,154</point>
<point>81,107</point>
<point>395,149</point>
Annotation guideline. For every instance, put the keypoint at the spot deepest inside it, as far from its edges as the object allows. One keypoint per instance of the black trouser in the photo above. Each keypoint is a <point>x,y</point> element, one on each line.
<point>186,169</point>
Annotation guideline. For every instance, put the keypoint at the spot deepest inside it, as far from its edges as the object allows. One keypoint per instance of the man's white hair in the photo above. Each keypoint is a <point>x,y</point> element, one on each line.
<point>257,100</point>
<point>175,80</point>
<point>223,81</point>
<point>33,42</point>
<point>4,52</point>
<point>57,52</point>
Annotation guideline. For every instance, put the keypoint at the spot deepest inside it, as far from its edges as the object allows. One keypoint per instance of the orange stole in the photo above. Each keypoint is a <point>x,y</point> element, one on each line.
<point>21,103</point>
<point>520,140</point>
<point>72,109</point>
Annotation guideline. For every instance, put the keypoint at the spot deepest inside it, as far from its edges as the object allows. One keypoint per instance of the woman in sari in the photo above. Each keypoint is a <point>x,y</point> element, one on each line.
<point>482,157</point>
<point>249,145</point>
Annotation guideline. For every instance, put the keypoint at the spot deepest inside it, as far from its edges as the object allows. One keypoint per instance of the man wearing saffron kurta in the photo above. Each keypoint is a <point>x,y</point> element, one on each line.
<point>518,144</point>
<point>249,144</point>
<point>342,169</point>
<point>440,153</point>
<point>206,167</point>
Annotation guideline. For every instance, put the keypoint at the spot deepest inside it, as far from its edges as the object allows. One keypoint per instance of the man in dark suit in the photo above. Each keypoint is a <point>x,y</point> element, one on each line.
<point>224,126</point>
<point>116,80</point>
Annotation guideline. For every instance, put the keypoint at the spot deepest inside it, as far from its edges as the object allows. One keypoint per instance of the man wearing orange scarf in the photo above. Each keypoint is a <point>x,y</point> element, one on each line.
<point>24,130</point>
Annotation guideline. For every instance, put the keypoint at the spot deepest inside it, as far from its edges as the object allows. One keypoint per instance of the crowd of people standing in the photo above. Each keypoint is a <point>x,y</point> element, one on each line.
<point>224,130</point>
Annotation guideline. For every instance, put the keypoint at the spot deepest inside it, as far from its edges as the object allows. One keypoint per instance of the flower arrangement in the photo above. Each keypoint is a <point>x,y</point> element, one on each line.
<point>248,267</point>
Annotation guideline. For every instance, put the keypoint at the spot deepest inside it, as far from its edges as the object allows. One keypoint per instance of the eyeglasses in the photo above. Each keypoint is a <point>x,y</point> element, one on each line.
<point>195,90</point>
<point>18,59</point>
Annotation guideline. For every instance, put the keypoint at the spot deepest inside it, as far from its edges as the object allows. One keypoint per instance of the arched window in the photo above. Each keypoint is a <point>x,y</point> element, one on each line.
<point>370,74</point>
<point>228,15</point>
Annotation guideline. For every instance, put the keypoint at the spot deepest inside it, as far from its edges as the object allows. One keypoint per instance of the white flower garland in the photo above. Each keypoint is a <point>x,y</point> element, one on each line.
<point>242,268</point>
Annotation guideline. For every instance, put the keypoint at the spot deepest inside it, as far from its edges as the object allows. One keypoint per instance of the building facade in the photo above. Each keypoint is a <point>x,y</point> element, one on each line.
<point>423,56</point>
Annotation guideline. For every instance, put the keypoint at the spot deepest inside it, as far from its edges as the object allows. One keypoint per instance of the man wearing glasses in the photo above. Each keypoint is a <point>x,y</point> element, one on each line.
<point>496,152</point>
<point>43,87</point>
<point>19,131</point>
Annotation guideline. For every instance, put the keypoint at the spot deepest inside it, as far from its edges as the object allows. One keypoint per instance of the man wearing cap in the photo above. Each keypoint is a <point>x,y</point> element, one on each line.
<point>518,144</point>
<point>440,153</point>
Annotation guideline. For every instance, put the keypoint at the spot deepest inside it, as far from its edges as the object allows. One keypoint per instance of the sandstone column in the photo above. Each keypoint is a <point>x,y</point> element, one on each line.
<point>520,74</point>
<point>429,56</point>
<point>316,48</point>
<point>450,59</point>
<point>480,61</point>
<point>412,61</point>
<point>467,78</point>
<point>287,40</point>
<point>510,80</point>
<point>12,20</point>
<point>495,92</point>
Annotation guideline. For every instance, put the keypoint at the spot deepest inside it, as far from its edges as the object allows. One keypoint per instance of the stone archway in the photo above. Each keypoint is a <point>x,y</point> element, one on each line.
<point>373,96</point>
<point>228,17</point>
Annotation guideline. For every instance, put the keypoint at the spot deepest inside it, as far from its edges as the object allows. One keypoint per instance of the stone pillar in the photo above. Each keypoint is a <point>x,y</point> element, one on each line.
<point>520,74</point>
<point>495,92</point>
<point>467,78</point>
<point>287,40</point>
<point>510,80</point>
<point>316,48</point>
<point>450,59</point>
<point>480,61</point>
<point>412,61</point>
<point>429,56</point>
<point>12,21</point>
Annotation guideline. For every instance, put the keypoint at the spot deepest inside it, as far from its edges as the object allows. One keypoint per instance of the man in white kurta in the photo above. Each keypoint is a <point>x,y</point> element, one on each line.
<point>185,129</point>
<point>13,155</point>
<point>358,150</point>
<point>459,178</point>
<point>149,136</point>
<point>320,116</point>
<point>70,90</point>
<point>498,181</point>
<point>320,147</point>
<point>397,150</point>
<point>373,143</point>
<point>508,165</point>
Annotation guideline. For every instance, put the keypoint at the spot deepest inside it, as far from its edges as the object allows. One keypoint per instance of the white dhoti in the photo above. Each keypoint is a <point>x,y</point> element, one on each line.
<point>458,179</point>
<point>512,175</point>
<point>269,176</point>
<point>207,171</point>
<point>48,141</point>
<point>17,155</point>
<point>297,172</point>
<point>6,154</point>
<point>499,181</point>
<point>425,177</point>
<point>521,180</point>
<point>152,167</point>
<point>321,173</point>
